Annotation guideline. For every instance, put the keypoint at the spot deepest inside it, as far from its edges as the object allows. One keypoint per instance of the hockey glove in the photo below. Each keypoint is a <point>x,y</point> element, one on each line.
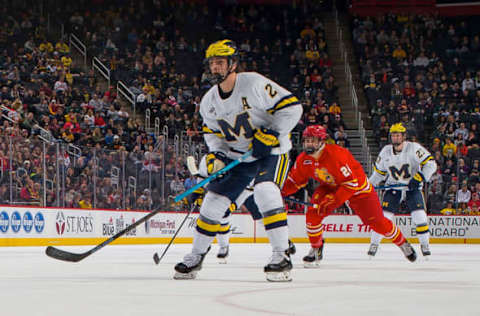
<point>215,161</point>
<point>415,181</point>
<point>263,142</point>
<point>323,207</point>
<point>198,195</point>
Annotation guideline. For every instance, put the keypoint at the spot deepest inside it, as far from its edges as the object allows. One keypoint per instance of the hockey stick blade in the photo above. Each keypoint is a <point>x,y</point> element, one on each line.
<point>157,258</point>
<point>76,257</point>
<point>64,255</point>
<point>192,166</point>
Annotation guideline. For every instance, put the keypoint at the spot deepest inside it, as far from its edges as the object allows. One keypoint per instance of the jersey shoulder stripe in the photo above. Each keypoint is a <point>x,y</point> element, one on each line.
<point>207,130</point>
<point>283,103</point>
<point>426,160</point>
<point>375,168</point>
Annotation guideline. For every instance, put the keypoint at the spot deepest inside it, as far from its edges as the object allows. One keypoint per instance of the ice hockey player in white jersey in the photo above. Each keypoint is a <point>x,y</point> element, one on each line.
<point>241,112</point>
<point>408,164</point>
<point>245,200</point>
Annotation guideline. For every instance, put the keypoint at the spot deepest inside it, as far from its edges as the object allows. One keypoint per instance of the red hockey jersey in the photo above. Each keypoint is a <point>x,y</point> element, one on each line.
<point>337,172</point>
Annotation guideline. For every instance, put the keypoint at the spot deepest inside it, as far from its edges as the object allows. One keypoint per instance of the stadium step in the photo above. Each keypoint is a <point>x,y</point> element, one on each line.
<point>349,114</point>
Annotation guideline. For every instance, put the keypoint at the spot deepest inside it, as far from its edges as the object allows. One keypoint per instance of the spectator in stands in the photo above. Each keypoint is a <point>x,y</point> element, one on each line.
<point>85,202</point>
<point>30,192</point>
<point>449,149</point>
<point>463,196</point>
<point>448,209</point>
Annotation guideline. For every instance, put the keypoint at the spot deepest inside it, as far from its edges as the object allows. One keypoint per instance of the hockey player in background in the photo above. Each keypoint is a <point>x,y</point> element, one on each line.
<point>341,179</point>
<point>403,163</point>
<point>244,111</point>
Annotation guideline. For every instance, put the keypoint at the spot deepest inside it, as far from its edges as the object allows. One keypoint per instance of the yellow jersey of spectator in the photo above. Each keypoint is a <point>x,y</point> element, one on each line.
<point>312,55</point>
<point>308,32</point>
<point>46,47</point>
<point>69,118</point>
<point>69,78</point>
<point>66,61</point>
<point>448,211</point>
<point>449,149</point>
<point>85,204</point>
<point>68,137</point>
<point>62,48</point>
<point>399,52</point>
<point>335,108</point>
<point>149,88</point>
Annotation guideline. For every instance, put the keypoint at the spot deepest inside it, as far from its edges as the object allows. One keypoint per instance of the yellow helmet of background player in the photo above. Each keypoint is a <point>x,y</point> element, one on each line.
<point>223,48</point>
<point>398,128</point>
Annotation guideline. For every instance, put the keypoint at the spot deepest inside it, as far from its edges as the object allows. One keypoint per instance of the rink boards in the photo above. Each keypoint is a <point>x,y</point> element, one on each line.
<point>21,226</point>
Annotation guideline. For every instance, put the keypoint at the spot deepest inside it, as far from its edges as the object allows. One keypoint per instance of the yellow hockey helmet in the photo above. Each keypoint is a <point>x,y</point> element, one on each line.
<point>223,48</point>
<point>398,128</point>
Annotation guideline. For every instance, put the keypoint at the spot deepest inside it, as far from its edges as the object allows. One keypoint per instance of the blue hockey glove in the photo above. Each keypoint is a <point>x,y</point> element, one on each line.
<point>263,142</point>
<point>416,181</point>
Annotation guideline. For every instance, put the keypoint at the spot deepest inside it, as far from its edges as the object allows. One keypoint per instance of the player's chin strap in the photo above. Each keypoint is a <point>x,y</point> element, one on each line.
<point>218,78</point>
<point>311,151</point>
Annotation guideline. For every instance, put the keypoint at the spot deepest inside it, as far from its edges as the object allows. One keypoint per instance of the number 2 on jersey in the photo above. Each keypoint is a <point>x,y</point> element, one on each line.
<point>345,170</point>
<point>271,92</point>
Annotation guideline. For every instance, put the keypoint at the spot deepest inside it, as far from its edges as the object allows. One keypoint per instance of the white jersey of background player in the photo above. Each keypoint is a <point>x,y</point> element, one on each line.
<point>409,164</point>
<point>242,112</point>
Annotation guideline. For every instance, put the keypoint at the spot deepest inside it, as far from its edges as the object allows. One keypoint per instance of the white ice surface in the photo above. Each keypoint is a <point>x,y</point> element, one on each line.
<point>123,280</point>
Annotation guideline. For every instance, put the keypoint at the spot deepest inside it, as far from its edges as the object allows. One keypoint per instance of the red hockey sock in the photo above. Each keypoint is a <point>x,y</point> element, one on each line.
<point>396,236</point>
<point>315,235</point>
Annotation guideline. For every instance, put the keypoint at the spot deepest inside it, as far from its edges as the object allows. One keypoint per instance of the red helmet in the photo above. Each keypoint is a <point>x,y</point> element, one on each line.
<point>315,131</point>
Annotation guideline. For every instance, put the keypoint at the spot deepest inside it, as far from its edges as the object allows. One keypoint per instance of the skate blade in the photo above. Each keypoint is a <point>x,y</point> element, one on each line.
<point>222,260</point>
<point>311,265</point>
<point>371,257</point>
<point>279,276</point>
<point>427,257</point>
<point>185,276</point>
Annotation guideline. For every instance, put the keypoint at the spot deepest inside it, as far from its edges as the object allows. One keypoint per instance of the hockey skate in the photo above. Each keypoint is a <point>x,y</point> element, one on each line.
<point>291,248</point>
<point>278,270</point>
<point>222,254</point>
<point>313,258</point>
<point>187,270</point>
<point>372,251</point>
<point>425,251</point>
<point>408,251</point>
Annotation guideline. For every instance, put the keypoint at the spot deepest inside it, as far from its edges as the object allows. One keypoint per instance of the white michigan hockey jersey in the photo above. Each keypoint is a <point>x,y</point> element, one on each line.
<point>400,167</point>
<point>256,101</point>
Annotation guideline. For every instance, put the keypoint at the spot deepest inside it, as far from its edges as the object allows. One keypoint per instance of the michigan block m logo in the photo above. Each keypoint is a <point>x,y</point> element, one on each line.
<point>400,174</point>
<point>242,124</point>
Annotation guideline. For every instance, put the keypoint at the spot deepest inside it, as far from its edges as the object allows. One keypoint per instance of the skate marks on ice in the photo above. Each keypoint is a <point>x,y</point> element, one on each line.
<point>122,280</point>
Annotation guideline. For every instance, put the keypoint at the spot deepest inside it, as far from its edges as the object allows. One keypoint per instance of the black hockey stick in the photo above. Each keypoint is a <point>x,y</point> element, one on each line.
<point>156,258</point>
<point>76,257</point>
<point>194,171</point>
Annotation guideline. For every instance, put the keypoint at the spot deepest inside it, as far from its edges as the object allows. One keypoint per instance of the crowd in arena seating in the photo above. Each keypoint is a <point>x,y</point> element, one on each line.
<point>424,71</point>
<point>163,62</point>
<point>410,74</point>
<point>158,52</point>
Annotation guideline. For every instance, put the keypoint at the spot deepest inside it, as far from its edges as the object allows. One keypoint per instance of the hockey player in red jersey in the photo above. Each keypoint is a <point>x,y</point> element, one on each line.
<point>341,179</point>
